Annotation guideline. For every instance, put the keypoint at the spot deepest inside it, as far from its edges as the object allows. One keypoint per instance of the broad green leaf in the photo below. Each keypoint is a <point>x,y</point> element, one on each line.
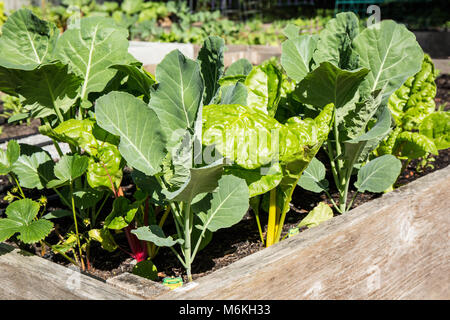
<point>228,205</point>
<point>34,171</point>
<point>90,47</point>
<point>234,94</point>
<point>291,31</point>
<point>105,238</point>
<point>20,219</point>
<point>210,57</point>
<point>178,96</point>
<point>9,157</point>
<point>69,168</point>
<point>335,42</point>
<point>48,90</point>
<point>313,178</point>
<point>240,67</point>
<point>330,84</point>
<point>121,215</point>
<point>139,81</point>
<point>296,56</point>
<point>391,53</point>
<point>437,128</point>
<point>26,41</point>
<point>413,145</point>
<point>155,235</point>
<point>378,174</point>
<point>200,180</point>
<point>146,269</point>
<point>142,143</point>
<point>321,213</point>
<point>264,88</point>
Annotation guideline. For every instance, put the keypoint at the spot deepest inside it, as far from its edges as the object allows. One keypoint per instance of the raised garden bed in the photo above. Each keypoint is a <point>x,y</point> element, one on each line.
<point>393,247</point>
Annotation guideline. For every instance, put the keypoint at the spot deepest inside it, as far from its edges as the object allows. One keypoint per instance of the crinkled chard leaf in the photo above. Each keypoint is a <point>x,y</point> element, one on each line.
<point>20,219</point>
<point>437,128</point>
<point>413,145</point>
<point>105,170</point>
<point>414,100</point>
<point>264,88</point>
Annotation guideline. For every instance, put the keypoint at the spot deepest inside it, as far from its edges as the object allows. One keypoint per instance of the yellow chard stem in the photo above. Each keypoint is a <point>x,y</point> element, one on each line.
<point>271,225</point>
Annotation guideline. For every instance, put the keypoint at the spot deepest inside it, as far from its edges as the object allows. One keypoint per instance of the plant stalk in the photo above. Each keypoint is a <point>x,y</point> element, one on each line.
<point>271,224</point>
<point>76,227</point>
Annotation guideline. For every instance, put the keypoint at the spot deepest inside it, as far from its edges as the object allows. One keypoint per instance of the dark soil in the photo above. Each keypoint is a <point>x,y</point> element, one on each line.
<point>227,245</point>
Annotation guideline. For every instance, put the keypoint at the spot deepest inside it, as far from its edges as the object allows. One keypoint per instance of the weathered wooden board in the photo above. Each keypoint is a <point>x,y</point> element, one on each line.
<point>394,247</point>
<point>25,276</point>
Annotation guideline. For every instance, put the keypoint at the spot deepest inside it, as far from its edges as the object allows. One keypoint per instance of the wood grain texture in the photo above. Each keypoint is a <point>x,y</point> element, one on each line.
<point>25,276</point>
<point>394,247</point>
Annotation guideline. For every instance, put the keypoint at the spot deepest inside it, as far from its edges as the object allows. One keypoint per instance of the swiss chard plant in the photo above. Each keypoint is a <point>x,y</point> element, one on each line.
<point>420,129</point>
<point>356,70</point>
<point>268,154</point>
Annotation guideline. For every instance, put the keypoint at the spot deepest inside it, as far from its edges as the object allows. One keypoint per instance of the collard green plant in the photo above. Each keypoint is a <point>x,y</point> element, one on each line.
<point>162,142</point>
<point>58,77</point>
<point>357,71</point>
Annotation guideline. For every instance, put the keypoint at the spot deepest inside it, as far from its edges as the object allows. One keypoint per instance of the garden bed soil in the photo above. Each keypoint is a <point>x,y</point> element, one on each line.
<point>227,245</point>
